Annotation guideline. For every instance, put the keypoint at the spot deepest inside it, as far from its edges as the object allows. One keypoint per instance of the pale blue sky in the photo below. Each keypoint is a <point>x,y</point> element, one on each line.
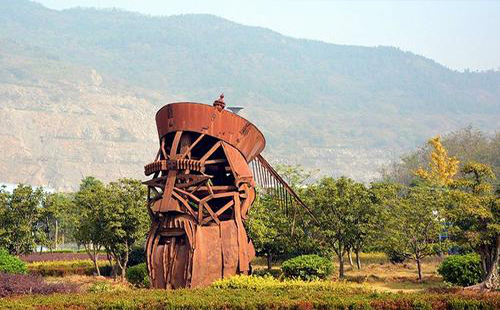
<point>457,34</point>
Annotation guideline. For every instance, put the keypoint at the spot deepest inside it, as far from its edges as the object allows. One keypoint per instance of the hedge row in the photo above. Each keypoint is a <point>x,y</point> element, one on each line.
<point>238,295</point>
<point>57,256</point>
<point>66,268</point>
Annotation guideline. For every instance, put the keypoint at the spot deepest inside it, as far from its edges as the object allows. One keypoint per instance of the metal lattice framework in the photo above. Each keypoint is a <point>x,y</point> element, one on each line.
<point>202,187</point>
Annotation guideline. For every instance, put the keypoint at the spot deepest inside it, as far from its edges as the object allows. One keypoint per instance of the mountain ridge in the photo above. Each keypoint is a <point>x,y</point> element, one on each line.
<point>343,109</point>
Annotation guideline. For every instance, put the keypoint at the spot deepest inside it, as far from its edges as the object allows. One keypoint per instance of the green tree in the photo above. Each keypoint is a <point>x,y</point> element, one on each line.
<point>268,227</point>
<point>414,223</point>
<point>277,235</point>
<point>126,220</point>
<point>54,219</point>
<point>474,212</point>
<point>335,205</point>
<point>91,201</point>
<point>367,223</point>
<point>20,213</point>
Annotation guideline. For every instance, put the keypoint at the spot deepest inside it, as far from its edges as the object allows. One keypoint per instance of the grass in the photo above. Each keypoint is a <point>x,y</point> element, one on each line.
<point>251,293</point>
<point>378,285</point>
<point>379,274</point>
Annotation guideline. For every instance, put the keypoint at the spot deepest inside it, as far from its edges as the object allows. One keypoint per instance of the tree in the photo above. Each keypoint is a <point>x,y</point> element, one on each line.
<point>91,202</point>
<point>268,227</point>
<point>442,168</point>
<point>126,220</point>
<point>274,234</point>
<point>20,233</point>
<point>474,212</point>
<point>414,223</point>
<point>335,205</point>
<point>4,209</point>
<point>466,144</point>
<point>54,219</point>
<point>368,221</point>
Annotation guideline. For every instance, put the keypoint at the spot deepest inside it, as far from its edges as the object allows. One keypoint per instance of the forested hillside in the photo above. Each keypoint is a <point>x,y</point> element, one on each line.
<point>79,89</point>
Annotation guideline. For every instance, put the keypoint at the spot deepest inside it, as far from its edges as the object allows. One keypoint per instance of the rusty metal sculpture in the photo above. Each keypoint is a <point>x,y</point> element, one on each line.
<point>202,188</point>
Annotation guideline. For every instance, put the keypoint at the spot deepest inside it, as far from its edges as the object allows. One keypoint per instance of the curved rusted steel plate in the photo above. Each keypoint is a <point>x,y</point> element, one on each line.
<point>221,124</point>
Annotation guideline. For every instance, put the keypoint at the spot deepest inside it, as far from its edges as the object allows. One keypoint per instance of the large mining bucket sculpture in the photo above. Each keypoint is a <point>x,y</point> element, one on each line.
<point>202,188</point>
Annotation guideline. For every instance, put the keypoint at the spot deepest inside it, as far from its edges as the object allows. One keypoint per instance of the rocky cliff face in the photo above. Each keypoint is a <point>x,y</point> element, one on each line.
<point>56,131</point>
<point>79,90</point>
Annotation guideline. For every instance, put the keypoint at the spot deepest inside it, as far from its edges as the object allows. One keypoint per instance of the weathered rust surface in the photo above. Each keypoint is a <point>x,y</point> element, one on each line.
<point>221,124</point>
<point>201,189</point>
<point>199,195</point>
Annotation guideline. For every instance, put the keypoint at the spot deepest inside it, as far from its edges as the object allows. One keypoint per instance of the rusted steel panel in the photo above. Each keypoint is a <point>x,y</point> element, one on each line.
<point>229,243</point>
<point>207,260</point>
<point>223,125</point>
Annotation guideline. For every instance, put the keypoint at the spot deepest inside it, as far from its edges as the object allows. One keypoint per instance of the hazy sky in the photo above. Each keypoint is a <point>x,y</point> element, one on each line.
<point>457,34</point>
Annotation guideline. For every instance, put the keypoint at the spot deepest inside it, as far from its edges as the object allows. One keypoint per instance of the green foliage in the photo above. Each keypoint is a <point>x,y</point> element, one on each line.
<point>138,275</point>
<point>308,267</point>
<point>414,223</point>
<point>126,219</point>
<point>137,256</point>
<point>474,211</point>
<point>275,234</point>
<point>11,264</point>
<point>20,213</point>
<point>275,273</point>
<point>113,217</point>
<point>343,212</point>
<point>463,270</point>
<point>394,256</point>
<point>55,219</point>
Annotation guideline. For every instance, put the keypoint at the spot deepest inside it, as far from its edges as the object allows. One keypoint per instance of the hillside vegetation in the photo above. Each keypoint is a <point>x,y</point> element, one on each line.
<point>79,89</point>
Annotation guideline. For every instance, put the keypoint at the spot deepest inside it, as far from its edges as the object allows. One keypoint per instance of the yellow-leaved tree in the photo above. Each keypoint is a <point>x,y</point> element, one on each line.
<point>442,168</point>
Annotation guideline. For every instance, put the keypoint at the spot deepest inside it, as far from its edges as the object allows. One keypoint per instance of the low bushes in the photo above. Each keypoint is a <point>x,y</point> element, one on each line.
<point>307,267</point>
<point>18,284</point>
<point>463,270</point>
<point>66,268</point>
<point>251,293</point>
<point>11,264</point>
<point>138,275</point>
<point>57,256</point>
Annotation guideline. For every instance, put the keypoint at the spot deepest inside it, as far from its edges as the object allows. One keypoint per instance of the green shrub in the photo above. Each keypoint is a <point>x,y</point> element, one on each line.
<point>275,273</point>
<point>307,267</point>
<point>11,264</point>
<point>137,256</point>
<point>396,257</point>
<point>138,275</point>
<point>463,270</point>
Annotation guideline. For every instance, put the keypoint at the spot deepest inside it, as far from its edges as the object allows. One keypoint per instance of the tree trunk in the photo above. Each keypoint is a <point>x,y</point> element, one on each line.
<point>124,266</point>
<point>419,268</point>
<point>113,267</point>
<point>341,265</point>
<point>349,255</point>
<point>491,281</point>
<point>269,261</point>
<point>96,265</point>
<point>94,255</point>
<point>56,235</point>
<point>358,259</point>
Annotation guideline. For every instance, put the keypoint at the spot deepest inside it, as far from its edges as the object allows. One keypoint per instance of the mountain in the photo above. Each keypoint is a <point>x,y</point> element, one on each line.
<point>79,89</point>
